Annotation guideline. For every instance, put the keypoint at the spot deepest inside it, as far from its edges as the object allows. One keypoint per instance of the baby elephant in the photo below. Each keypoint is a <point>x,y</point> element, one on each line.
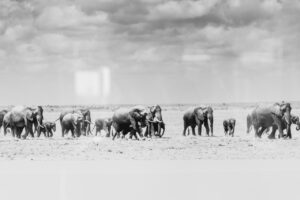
<point>229,126</point>
<point>47,129</point>
<point>103,124</point>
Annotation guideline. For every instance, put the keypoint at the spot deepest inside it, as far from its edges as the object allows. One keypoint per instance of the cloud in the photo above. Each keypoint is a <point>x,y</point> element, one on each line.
<point>68,17</point>
<point>181,9</point>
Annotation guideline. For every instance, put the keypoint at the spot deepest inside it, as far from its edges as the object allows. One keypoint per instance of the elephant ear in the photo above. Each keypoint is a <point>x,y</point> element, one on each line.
<point>285,106</point>
<point>29,115</point>
<point>277,110</point>
<point>152,109</point>
<point>205,111</point>
<point>199,114</point>
<point>135,114</point>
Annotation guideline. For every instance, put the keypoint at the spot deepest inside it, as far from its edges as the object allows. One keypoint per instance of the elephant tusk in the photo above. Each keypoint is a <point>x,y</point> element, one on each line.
<point>41,126</point>
<point>88,122</point>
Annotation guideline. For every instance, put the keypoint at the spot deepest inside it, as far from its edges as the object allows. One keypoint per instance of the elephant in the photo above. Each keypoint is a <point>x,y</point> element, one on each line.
<point>18,118</point>
<point>2,114</point>
<point>103,124</point>
<point>198,116</point>
<point>294,120</point>
<point>229,126</point>
<point>47,128</point>
<point>272,116</point>
<point>131,120</point>
<point>155,122</point>
<point>72,122</point>
<point>86,122</point>
<point>38,119</point>
<point>6,122</point>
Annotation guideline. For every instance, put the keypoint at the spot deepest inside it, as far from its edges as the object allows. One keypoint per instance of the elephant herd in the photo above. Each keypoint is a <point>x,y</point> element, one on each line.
<point>143,121</point>
<point>78,122</point>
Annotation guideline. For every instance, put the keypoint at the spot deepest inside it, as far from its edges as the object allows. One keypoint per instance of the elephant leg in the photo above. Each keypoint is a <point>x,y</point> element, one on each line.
<point>206,127</point>
<point>19,132</point>
<point>185,126</point>
<point>233,129</point>
<point>73,133</point>
<point>272,135</point>
<point>14,131</point>
<point>62,131</point>
<point>159,128</point>
<point>289,134</point>
<point>200,128</point>
<point>133,133</point>
<point>46,134</point>
<point>256,130</point>
<point>261,131</point>
<point>152,129</point>
<point>225,130</point>
<point>146,132</point>
<point>114,135</point>
<point>193,130</point>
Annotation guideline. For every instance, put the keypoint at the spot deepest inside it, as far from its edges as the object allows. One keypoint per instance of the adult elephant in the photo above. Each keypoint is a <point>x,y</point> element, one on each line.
<point>38,119</point>
<point>198,116</point>
<point>131,120</point>
<point>155,124</point>
<point>272,116</point>
<point>86,122</point>
<point>294,120</point>
<point>72,122</point>
<point>2,114</point>
<point>18,118</point>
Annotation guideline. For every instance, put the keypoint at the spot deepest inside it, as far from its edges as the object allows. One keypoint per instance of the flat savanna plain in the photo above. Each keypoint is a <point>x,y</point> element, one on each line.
<point>173,146</point>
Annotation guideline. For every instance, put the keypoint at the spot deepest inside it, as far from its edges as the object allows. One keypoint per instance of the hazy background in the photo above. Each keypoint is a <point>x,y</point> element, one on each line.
<point>148,51</point>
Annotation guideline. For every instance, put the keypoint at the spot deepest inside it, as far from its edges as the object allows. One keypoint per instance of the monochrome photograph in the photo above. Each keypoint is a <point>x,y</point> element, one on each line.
<point>104,81</point>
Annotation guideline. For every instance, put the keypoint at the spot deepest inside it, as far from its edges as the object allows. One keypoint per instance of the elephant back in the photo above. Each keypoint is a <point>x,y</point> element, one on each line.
<point>121,115</point>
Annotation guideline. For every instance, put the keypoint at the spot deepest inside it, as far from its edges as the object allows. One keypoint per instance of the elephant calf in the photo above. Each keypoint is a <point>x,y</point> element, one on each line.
<point>229,126</point>
<point>47,129</point>
<point>103,124</point>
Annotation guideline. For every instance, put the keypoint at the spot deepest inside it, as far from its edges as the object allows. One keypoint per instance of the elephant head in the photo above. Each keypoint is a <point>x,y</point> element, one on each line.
<point>156,113</point>
<point>295,120</point>
<point>86,127</point>
<point>283,110</point>
<point>138,115</point>
<point>77,120</point>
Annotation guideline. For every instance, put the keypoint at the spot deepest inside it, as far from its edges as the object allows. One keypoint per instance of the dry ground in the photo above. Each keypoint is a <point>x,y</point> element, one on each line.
<point>173,146</point>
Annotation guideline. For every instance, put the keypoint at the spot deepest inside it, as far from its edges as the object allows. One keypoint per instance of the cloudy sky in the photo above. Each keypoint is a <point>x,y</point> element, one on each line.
<point>148,51</point>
